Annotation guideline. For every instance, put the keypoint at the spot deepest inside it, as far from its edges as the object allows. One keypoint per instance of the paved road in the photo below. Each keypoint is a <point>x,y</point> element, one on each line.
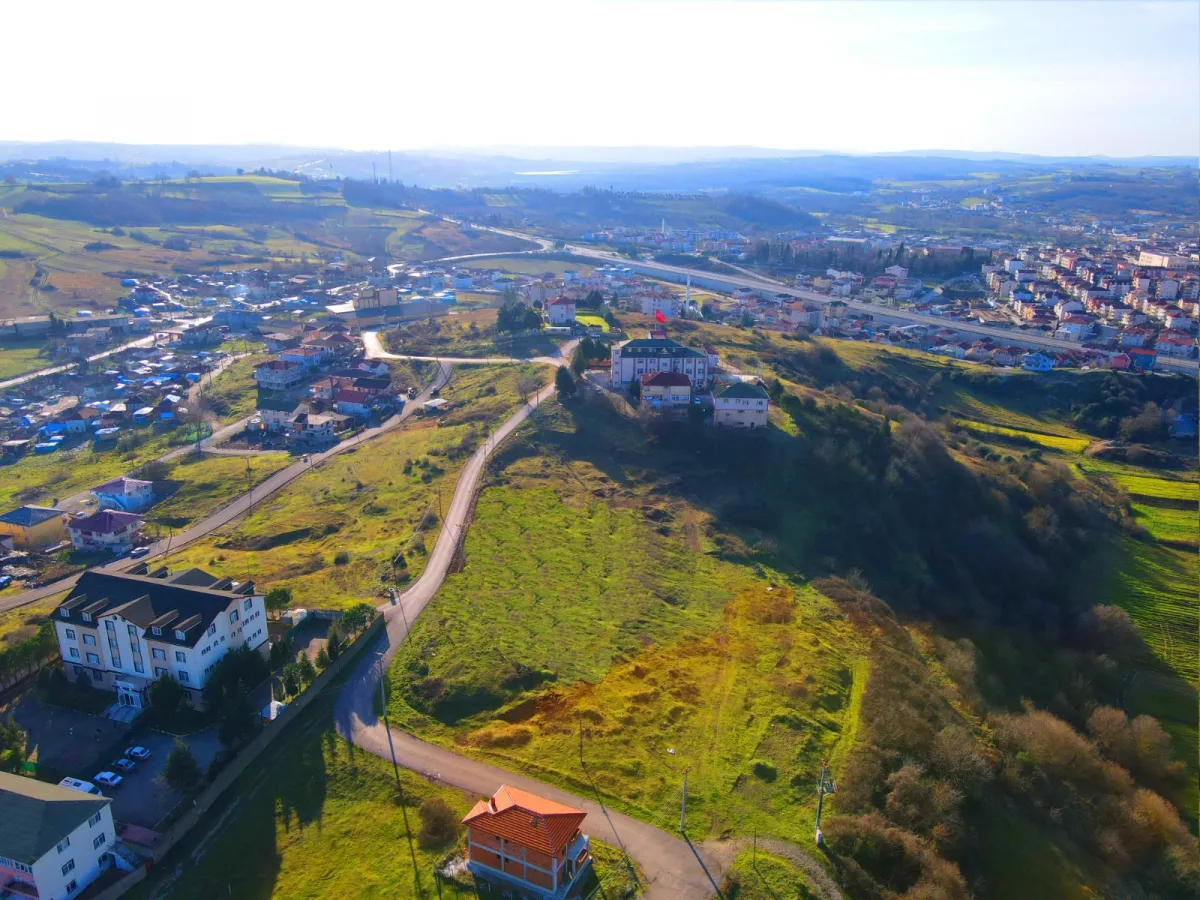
<point>672,866</point>
<point>236,507</point>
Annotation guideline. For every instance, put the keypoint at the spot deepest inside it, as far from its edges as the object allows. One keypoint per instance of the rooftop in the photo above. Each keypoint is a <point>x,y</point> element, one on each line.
<point>28,516</point>
<point>526,819</point>
<point>38,815</point>
<point>107,521</point>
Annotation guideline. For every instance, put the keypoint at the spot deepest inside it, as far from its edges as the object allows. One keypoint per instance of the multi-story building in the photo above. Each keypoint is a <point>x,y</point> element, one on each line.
<point>54,841</point>
<point>120,632</point>
<point>124,493</point>
<point>278,374</point>
<point>633,359</point>
<point>560,311</point>
<point>107,529</point>
<point>522,840</point>
<point>741,405</point>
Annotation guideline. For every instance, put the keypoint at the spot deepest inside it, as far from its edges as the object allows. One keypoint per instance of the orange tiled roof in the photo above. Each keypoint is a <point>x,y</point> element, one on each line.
<point>526,819</point>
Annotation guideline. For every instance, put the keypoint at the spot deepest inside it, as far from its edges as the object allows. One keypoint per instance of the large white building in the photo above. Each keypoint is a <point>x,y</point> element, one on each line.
<point>561,311</point>
<point>633,359</point>
<point>120,632</point>
<point>54,841</point>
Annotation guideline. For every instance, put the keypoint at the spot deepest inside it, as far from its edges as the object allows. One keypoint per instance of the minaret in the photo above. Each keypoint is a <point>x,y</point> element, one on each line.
<point>687,292</point>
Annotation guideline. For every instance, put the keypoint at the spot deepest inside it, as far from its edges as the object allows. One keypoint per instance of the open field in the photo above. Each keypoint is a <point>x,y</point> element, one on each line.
<point>367,518</point>
<point>761,876</point>
<point>1157,585</point>
<point>592,321</point>
<point>1178,527</point>
<point>20,357</point>
<point>1053,441</point>
<point>233,394</point>
<point>23,622</point>
<point>469,333</point>
<point>210,482</point>
<point>606,611</point>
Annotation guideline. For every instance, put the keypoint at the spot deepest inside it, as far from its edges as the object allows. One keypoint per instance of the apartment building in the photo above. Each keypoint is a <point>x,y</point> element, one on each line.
<point>633,359</point>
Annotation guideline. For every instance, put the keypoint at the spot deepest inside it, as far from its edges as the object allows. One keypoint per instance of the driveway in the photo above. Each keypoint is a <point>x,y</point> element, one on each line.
<point>144,797</point>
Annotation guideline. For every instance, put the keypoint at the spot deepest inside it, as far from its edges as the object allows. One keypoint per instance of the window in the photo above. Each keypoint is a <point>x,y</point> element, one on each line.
<point>133,632</point>
<point>87,617</point>
<point>94,820</point>
<point>109,626</point>
<point>183,678</point>
<point>112,644</point>
<point>212,629</point>
<point>71,885</point>
<point>248,604</point>
<point>74,653</point>
<point>138,667</point>
<point>100,839</point>
<point>116,660</point>
<point>89,640</point>
<point>13,864</point>
<point>155,630</point>
<point>135,644</point>
<point>233,617</point>
<point>70,634</point>
<point>69,866</point>
<point>64,844</point>
<point>180,636</point>
<point>180,656</point>
<point>159,672</point>
<point>97,675</point>
<point>65,613</point>
<point>158,653</point>
<point>93,659</point>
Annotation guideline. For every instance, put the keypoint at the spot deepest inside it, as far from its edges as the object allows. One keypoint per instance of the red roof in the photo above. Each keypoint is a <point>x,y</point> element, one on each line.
<point>353,395</point>
<point>561,301</point>
<point>526,819</point>
<point>666,379</point>
<point>107,521</point>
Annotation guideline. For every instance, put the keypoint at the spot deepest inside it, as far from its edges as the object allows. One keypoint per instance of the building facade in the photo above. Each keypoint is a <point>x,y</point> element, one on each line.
<point>54,841</point>
<point>33,527</point>
<point>120,632</point>
<point>741,405</point>
<point>106,530</point>
<point>633,359</point>
<point>521,840</point>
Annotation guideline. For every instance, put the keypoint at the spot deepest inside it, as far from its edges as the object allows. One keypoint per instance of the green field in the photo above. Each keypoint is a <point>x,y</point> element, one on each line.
<point>378,504</point>
<point>1157,585</point>
<point>601,610</point>
<point>1169,525</point>
<point>761,876</point>
<point>233,394</point>
<point>22,622</point>
<point>211,481</point>
<point>21,357</point>
<point>592,322</point>
<point>1053,441</point>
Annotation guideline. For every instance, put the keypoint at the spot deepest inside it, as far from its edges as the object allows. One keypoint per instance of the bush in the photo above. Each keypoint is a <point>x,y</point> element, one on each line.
<point>341,558</point>
<point>439,823</point>
<point>166,697</point>
<point>182,771</point>
<point>764,770</point>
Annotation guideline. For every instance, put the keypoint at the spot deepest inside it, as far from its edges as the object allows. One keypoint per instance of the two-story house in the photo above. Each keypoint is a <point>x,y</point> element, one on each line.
<point>666,389</point>
<point>124,493</point>
<point>107,529</point>
<point>741,405</point>
<point>522,840</point>
<point>122,631</point>
<point>33,527</point>
<point>278,375</point>
<point>54,841</point>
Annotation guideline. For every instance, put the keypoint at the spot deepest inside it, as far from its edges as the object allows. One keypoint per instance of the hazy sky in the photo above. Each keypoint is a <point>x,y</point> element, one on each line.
<point>1079,78</point>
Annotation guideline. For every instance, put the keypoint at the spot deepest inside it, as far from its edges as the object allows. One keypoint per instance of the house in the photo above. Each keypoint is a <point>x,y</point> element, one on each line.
<point>33,527</point>
<point>353,402</point>
<point>1142,360</point>
<point>517,839</point>
<point>1120,361</point>
<point>561,311</point>
<point>1037,362</point>
<point>124,493</point>
<point>306,356</point>
<point>54,841</point>
<point>633,359</point>
<point>667,304</point>
<point>122,631</point>
<point>280,340</point>
<point>107,529</point>
<point>277,415</point>
<point>317,428</point>
<point>666,389</point>
<point>741,405</point>
<point>278,374</point>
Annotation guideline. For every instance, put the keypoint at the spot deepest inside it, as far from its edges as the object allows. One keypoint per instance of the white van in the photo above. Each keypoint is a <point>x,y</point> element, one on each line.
<point>75,784</point>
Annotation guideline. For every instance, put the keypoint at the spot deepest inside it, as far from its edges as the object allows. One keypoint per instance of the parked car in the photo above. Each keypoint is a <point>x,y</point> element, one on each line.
<point>138,753</point>
<point>138,552</point>
<point>108,779</point>
<point>412,392</point>
<point>125,764</point>
<point>5,580</point>
<point>75,784</point>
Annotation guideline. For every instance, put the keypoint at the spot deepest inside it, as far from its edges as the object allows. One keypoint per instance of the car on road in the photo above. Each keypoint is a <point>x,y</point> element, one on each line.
<point>138,552</point>
<point>125,764</point>
<point>108,779</point>
<point>5,580</point>
<point>138,753</point>
<point>412,392</point>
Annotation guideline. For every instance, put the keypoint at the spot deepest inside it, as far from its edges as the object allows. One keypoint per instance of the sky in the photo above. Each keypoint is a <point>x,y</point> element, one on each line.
<point>1063,79</point>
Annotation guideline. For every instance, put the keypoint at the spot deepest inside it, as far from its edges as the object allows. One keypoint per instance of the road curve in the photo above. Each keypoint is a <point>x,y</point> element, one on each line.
<point>672,866</point>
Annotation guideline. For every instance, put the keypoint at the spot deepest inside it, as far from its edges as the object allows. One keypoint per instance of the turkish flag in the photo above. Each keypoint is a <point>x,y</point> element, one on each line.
<point>659,316</point>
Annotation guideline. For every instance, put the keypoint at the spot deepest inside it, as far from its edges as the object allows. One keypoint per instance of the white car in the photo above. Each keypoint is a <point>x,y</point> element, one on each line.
<point>108,779</point>
<point>124,764</point>
<point>138,753</point>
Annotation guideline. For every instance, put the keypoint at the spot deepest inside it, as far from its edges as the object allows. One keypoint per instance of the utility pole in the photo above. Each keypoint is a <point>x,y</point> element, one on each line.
<point>249,488</point>
<point>683,805</point>
<point>824,786</point>
<point>388,728</point>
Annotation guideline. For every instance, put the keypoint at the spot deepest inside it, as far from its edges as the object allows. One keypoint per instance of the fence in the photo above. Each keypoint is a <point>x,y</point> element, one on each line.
<point>227,776</point>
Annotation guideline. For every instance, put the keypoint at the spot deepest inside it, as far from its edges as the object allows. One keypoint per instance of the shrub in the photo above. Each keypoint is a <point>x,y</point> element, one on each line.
<point>439,823</point>
<point>182,771</point>
<point>764,770</point>
<point>341,558</point>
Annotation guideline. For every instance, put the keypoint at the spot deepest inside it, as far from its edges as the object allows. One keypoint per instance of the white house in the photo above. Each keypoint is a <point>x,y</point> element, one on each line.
<point>125,494</point>
<point>54,841</point>
<point>633,359</point>
<point>278,374</point>
<point>277,415</point>
<point>107,529</point>
<point>667,304</point>
<point>741,405</point>
<point>122,631</point>
<point>1037,362</point>
<point>561,311</point>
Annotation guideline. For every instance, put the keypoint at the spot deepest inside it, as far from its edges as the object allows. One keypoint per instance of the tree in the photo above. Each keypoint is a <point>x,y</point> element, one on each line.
<point>291,679</point>
<point>323,660</point>
<point>333,643</point>
<point>564,383</point>
<point>277,600</point>
<point>357,617</point>
<point>594,300</point>
<point>304,666</point>
<point>526,385</point>
<point>166,696</point>
<point>635,389</point>
<point>182,771</point>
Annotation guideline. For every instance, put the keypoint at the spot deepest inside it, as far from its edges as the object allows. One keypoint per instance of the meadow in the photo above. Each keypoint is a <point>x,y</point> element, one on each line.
<point>762,876</point>
<point>209,482</point>
<point>366,519</point>
<point>20,357</point>
<point>609,619</point>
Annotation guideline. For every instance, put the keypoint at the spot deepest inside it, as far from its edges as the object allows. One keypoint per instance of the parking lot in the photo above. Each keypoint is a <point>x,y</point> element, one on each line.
<point>144,797</point>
